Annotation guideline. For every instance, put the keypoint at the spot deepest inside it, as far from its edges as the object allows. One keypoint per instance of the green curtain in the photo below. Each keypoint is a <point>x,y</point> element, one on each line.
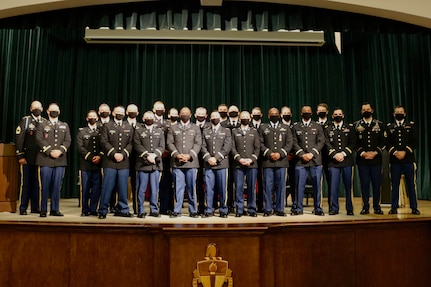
<point>45,58</point>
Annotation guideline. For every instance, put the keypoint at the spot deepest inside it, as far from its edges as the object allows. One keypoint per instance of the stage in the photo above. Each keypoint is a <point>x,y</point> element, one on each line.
<point>305,250</point>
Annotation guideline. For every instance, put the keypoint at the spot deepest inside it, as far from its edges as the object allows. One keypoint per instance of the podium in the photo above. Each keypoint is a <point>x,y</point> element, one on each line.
<point>8,178</point>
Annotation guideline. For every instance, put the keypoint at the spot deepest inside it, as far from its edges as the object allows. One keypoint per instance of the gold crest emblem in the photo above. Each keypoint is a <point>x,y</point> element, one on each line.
<point>213,271</point>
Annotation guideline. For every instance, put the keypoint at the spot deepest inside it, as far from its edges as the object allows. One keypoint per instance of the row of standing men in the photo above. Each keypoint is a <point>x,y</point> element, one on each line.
<point>208,159</point>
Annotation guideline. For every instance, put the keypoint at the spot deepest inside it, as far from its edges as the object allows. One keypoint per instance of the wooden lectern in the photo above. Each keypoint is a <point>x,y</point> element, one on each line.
<point>8,178</point>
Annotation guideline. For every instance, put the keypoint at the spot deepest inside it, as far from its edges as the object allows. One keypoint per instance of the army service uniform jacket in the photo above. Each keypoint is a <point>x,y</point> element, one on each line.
<point>147,141</point>
<point>277,139</point>
<point>88,146</point>
<point>216,144</point>
<point>114,139</point>
<point>309,139</point>
<point>184,140</point>
<point>245,145</point>
<point>370,138</point>
<point>25,135</point>
<point>342,139</point>
<point>402,138</point>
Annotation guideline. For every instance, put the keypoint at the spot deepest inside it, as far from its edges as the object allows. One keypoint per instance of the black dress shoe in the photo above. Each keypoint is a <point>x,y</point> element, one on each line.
<point>43,213</point>
<point>415,211</point>
<point>365,211</point>
<point>55,213</point>
<point>102,216</point>
<point>252,214</point>
<point>193,215</point>
<point>223,215</point>
<point>296,212</point>
<point>238,214</point>
<point>393,211</point>
<point>35,211</point>
<point>22,212</point>
<point>378,211</point>
<point>142,215</point>
<point>85,213</point>
<point>174,215</point>
<point>319,212</point>
<point>280,213</point>
<point>155,214</point>
<point>267,213</point>
<point>208,214</point>
<point>94,213</point>
<point>333,212</point>
<point>349,212</point>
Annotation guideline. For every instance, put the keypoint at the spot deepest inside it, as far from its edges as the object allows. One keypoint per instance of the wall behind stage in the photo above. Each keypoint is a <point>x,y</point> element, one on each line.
<point>387,63</point>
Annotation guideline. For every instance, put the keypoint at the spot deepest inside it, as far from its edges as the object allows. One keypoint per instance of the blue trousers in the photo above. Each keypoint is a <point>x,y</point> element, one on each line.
<point>301,174</point>
<point>91,182</point>
<point>216,180</point>
<point>184,179</point>
<point>251,177</point>
<point>29,187</point>
<point>346,173</point>
<point>409,174</point>
<point>51,179</point>
<point>274,177</point>
<point>370,174</point>
<point>145,177</point>
<point>114,178</point>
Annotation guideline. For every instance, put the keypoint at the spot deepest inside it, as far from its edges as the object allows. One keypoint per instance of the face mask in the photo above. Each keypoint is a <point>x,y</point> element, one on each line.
<point>92,121</point>
<point>306,116</point>
<point>233,114</point>
<point>321,115</point>
<point>287,117</point>
<point>200,118</point>
<point>367,114</point>
<point>185,118</point>
<point>149,122</point>
<point>223,114</point>
<point>159,113</point>
<point>215,121</point>
<point>53,114</point>
<point>257,117</point>
<point>119,117</point>
<point>36,112</point>
<point>338,119</point>
<point>399,117</point>
<point>245,122</point>
<point>274,119</point>
<point>174,119</point>
<point>104,114</point>
<point>132,115</point>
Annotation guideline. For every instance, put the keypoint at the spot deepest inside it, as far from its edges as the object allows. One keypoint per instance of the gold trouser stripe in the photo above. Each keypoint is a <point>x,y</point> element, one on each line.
<point>40,183</point>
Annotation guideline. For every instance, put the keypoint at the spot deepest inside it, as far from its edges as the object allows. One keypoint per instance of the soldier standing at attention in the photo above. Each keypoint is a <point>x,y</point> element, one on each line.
<point>26,152</point>
<point>53,139</point>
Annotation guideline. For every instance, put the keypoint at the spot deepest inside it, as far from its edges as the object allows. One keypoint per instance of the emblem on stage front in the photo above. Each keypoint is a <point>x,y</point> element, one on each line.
<point>213,271</point>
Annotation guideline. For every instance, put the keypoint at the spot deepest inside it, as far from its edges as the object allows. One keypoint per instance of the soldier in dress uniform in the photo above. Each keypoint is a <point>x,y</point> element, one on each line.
<point>342,140</point>
<point>117,142</point>
<point>184,142</point>
<point>149,144</point>
<point>53,139</point>
<point>286,118</point>
<point>245,151</point>
<point>257,116</point>
<point>275,144</point>
<point>371,141</point>
<point>216,146</point>
<point>308,141</point>
<point>402,140</point>
<point>202,123</point>
<point>90,161</point>
<point>132,113</point>
<point>26,152</point>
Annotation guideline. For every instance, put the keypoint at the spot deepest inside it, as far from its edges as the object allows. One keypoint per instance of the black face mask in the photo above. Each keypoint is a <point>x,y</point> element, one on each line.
<point>400,117</point>
<point>223,114</point>
<point>104,114</point>
<point>185,118</point>
<point>215,121</point>
<point>159,113</point>
<point>132,115</point>
<point>200,118</point>
<point>274,119</point>
<point>338,119</point>
<point>53,114</point>
<point>119,117</point>
<point>257,117</point>
<point>306,116</point>
<point>287,117</point>
<point>245,122</point>
<point>233,114</point>
<point>174,119</point>
<point>321,115</point>
<point>92,121</point>
<point>149,122</point>
<point>36,112</point>
<point>367,114</point>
